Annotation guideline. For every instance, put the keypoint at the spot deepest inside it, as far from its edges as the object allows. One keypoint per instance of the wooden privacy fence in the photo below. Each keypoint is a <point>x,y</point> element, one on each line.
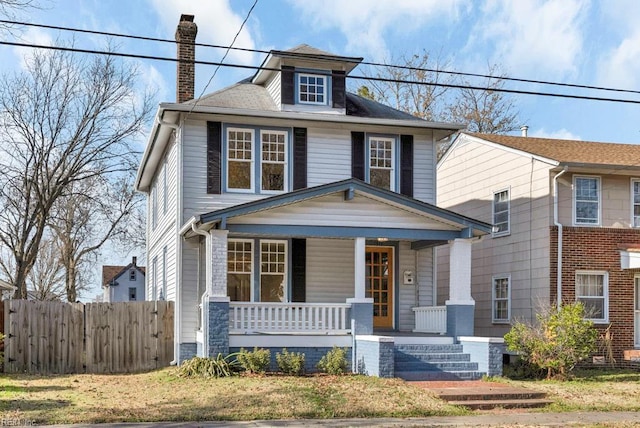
<point>58,337</point>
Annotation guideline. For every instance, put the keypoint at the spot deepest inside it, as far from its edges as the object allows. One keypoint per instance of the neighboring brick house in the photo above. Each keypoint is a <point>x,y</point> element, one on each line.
<point>535,190</point>
<point>123,283</point>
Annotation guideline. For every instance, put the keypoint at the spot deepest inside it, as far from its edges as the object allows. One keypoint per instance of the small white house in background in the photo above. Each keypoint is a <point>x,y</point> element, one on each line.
<point>6,290</point>
<point>285,211</point>
<point>123,283</point>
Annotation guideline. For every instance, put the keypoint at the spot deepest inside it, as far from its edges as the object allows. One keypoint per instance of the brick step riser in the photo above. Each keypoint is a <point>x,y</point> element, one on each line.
<point>406,357</point>
<point>436,366</point>
<point>494,396</point>
<point>439,375</point>
<point>489,405</point>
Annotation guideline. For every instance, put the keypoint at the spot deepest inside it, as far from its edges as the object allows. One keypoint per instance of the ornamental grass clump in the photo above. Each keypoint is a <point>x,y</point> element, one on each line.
<point>220,366</point>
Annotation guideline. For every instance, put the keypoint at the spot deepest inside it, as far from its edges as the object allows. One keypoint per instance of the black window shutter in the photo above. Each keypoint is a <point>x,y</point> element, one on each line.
<point>338,90</point>
<point>299,158</point>
<point>214,158</point>
<point>406,165</point>
<point>357,155</point>
<point>287,82</point>
<point>299,270</point>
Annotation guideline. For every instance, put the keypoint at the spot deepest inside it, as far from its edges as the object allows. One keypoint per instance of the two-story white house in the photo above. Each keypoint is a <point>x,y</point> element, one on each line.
<point>285,211</point>
<point>124,283</point>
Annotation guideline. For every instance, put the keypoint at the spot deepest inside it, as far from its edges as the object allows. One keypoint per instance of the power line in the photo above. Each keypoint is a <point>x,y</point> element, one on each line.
<point>376,64</point>
<point>225,55</point>
<point>380,79</point>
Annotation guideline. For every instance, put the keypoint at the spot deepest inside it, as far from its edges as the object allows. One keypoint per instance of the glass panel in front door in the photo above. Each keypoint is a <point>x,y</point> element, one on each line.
<point>379,272</point>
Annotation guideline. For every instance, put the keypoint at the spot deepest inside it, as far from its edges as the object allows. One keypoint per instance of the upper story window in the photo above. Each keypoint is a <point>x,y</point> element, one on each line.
<point>240,159</point>
<point>312,89</point>
<point>592,291</point>
<point>501,212</point>
<point>132,275</point>
<point>635,202</point>
<point>270,154</point>
<point>382,162</point>
<point>274,165</point>
<point>586,200</point>
<point>154,206</point>
<point>501,297</point>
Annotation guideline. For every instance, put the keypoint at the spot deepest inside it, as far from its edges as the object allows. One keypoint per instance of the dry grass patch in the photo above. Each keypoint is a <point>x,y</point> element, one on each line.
<point>161,396</point>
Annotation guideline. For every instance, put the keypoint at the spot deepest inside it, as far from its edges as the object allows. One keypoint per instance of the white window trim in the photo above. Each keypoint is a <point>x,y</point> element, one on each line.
<point>164,186</point>
<point>286,162</point>
<point>253,256</point>
<point>394,159</point>
<point>324,77</point>
<point>154,206</point>
<point>605,292</point>
<point>163,290</point>
<point>285,274</point>
<point>574,200</point>
<point>493,212</point>
<point>252,163</point>
<point>633,180</point>
<point>154,278</point>
<point>493,299</point>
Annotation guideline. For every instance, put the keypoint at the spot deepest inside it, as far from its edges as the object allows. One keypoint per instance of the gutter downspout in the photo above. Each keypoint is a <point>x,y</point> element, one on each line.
<point>178,278</point>
<point>205,295</point>
<point>559,226</point>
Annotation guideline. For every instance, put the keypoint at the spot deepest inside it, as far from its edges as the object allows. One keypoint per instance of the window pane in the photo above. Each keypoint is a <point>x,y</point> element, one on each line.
<point>312,89</point>
<point>239,175</point>
<point>272,288</point>
<point>587,200</point>
<point>239,287</point>
<point>380,178</point>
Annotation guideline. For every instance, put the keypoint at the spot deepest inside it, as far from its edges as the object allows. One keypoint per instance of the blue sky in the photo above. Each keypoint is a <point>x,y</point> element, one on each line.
<point>571,41</point>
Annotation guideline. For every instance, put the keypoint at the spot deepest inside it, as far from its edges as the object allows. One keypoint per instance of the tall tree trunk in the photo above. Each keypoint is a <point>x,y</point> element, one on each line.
<point>70,281</point>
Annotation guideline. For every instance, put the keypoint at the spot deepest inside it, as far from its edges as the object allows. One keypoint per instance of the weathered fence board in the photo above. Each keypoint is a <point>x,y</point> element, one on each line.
<point>56,337</point>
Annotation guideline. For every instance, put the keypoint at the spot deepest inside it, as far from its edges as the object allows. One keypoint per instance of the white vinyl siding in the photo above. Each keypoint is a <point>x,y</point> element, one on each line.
<point>587,196</point>
<point>329,156</point>
<point>592,289</point>
<point>406,294</point>
<point>274,88</point>
<point>424,169</point>
<point>189,299</point>
<point>329,255</point>
<point>424,277</point>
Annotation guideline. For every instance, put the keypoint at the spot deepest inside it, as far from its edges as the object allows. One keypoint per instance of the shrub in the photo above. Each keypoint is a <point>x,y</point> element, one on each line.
<point>290,363</point>
<point>220,366</point>
<point>334,362</point>
<point>256,361</point>
<point>557,342</point>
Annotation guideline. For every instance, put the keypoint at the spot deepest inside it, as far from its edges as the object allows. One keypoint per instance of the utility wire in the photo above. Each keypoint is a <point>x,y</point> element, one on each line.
<point>366,78</point>
<point>195,102</point>
<point>376,64</point>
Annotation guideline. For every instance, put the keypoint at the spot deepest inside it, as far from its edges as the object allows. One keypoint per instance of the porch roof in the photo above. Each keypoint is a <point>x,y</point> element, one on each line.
<point>423,223</point>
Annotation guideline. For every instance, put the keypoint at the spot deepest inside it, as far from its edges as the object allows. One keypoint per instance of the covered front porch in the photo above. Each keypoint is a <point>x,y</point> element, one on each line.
<point>323,265</point>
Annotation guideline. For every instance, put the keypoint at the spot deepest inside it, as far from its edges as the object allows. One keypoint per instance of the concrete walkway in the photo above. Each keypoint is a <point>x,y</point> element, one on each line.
<point>622,419</point>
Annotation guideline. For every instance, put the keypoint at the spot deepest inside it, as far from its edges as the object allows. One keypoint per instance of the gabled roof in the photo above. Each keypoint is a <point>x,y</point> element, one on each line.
<point>110,272</point>
<point>569,151</point>
<point>350,187</point>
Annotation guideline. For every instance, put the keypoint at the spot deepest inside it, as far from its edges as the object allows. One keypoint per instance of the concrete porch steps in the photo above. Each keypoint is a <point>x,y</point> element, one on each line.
<point>486,398</point>
<point>434,362</point>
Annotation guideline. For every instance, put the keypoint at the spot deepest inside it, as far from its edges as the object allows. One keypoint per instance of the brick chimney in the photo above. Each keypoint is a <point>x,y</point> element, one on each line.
<point>134,261</point>
<point>185,70</point>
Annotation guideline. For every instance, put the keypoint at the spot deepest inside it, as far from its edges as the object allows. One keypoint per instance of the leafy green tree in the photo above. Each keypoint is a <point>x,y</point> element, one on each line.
<point>559,340</point>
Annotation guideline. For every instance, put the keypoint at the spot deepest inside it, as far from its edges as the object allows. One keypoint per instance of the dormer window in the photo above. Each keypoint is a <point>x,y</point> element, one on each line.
<point>312,89</point>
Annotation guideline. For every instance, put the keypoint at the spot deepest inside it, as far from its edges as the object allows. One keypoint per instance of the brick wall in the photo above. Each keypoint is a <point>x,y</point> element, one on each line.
<point>185,69</point>
<point>591,248</point>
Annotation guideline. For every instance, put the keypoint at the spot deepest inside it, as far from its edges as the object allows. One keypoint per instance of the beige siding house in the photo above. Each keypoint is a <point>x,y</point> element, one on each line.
<point>566,218</point>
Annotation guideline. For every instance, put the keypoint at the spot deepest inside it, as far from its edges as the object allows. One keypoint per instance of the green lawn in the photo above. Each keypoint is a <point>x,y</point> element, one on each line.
<point>160,395</point>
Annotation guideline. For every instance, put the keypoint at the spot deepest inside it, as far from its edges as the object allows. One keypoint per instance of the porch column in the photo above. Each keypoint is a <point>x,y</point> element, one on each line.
<point>216,301</point>
<point>460,306</point>
<point>361,306</point>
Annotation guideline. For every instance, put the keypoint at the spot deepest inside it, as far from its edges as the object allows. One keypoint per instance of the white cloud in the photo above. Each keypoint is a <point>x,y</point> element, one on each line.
<point>35,36</point>
<point>365,23</point>
<point>562,134</point>
<point>532,35</point>
<point>217,24</point>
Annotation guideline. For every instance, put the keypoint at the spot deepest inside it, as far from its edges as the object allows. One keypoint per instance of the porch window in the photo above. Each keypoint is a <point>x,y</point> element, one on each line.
<point>274,150</point>
<point>240,159</point>
<point>382,162</point>
<point>592,291</point>
<point>273,268</point>
<point>586,200</point>
<point>635,202</point>
<point>501,299</point>
<point>501,212</point>
<point>239,270</point>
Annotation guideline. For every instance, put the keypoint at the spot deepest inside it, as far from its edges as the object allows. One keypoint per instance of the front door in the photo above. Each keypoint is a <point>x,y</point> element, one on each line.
<point>379,284</point>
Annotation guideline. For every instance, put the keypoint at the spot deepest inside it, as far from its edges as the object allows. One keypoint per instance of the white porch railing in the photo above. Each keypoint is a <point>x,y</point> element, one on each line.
<point>304,318</point>
<point>431,319</point>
